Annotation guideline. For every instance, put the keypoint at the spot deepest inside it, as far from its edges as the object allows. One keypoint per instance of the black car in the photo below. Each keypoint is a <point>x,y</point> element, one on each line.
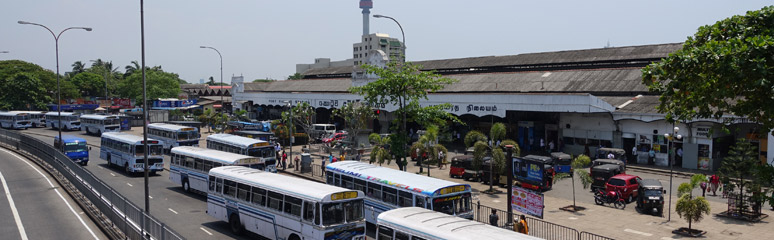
<point>650,198</point>
<point>602,173</point>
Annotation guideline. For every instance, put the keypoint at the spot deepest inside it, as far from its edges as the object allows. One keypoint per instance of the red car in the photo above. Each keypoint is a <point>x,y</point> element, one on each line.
<point>335,137</point>
<point>626,184</point>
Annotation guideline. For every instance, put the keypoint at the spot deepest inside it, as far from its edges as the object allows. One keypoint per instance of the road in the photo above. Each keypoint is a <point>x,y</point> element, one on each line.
<point>183,212</point>
<point>34,206</point>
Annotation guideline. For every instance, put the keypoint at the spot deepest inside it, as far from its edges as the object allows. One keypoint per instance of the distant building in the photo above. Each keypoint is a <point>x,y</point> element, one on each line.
<point>376,41</point>
<point>320,63</point>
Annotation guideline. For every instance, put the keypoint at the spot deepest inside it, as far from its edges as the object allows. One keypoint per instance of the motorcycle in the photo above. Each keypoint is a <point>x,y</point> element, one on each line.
<point>611,197</point>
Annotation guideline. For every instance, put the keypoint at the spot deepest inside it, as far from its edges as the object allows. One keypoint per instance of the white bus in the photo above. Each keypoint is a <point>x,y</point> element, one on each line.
<point>126,150</point>
<point>388,189</point>
<point>422,224</point>
<point>15,120</point>
<point>245,146</point>
<point>282,207</point>
<point>37,118</point>
<point>70,121</point>
<point>174,135</point>
<point>98,124</point>
<point>189,165</point>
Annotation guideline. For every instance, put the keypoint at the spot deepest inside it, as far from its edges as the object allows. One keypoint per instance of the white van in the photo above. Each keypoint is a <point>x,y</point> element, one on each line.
<point>323,130</point>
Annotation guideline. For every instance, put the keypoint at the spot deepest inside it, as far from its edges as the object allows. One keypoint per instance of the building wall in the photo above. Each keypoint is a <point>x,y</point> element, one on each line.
<point>585,128</point>
<point>376,41</point>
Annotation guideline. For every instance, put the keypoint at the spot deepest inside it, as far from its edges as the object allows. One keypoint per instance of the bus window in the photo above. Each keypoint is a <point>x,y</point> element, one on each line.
<point>293,206</point>
<point>354,210</point>
<point>416,238</point>
<point>385,233</point>
<point>346,182</point>
<point>401,236</point>
<point>189,162</point>
<point>229,188</point>
<point>218,185</point>
<point>420,201</point>
<point>212,184</point>
<point>337,180</point>
<point>329,178</point>
<point>207,166</point>
<point>375,190</point>
<point>360,185</point>
<point>444,206</point>
<point>243,192</point>
<point>198,164</point>
<point>275,201</point>
<point>317,209</point>
<point>259,196</point>
<point>404,199</point>
<point>333,213</point>
<point>308,211</point>
<point>389,195</point>
<point>463,204</point>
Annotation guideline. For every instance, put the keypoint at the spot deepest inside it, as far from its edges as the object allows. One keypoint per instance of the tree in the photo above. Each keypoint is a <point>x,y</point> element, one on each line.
<point>9,69</point>
<point>356,117</point>
<point>159,84</point>
<point>380,151</point>
<point>78,67</point>
<point>742,165</point>
<point>303,116</point>
<point>401,84</point>
<point>22,91</point>
<point>211,82</point>
<point>725,68</point>
<point>240,115</point>
<point>692,209</point>
<point>89,83</point>
<point>296,76</point>
<point>206,118</point>
<point>263,80</point>
<point>131,68</point>
<point>108,73</point>
<point>578,165</point>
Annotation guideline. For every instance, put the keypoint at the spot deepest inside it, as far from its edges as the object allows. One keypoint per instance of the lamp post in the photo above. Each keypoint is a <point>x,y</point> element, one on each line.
<point>222,104</point>
<point>290,132</point>
<point>403,35</point>
<point>58,89</point>
<point>671,136</point>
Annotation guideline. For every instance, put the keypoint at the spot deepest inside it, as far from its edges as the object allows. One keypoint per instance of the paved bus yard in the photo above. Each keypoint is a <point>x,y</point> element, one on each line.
<point>629,224</point>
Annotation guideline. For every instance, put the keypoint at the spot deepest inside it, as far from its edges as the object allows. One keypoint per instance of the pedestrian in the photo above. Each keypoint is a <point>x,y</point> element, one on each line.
<point>542,145</point>
<point>703,188</point>
<point>634,155</point>
<point>550,146</point>
<point>651,157</point>
<point>358,156</point>
<point>610,155</point>
<point>330,157</point>
<point>493,218</point>
<point>284,160</point>
<point>521,225</point>
<point>322,168</point>
<point>296,163</point>
<point>714,183</point>
<point>440,159</point>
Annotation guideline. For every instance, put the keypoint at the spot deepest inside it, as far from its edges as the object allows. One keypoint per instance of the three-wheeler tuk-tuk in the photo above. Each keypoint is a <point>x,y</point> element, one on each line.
<point>462,167</point>
<point>602,173</point>
<point>534,172</point>
<point>562,162</point>
<point>651,198</point>
<point>618,153</point>
<point>598,162</point>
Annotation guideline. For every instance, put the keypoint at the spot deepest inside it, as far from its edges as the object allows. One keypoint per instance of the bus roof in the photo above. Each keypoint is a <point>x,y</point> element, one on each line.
<point>234,139</point>
<point>11,113</point>
<point>210,154</point>
<point>125,137</point>
<point>98,117</point>
<point>170,127</point>
<point>28,112</point>
<point>414,182</point>
<point>280,183</point>
<point>71,138</point>
<point>435,225</point>
<point>254,132</point>
<point>55,113</point>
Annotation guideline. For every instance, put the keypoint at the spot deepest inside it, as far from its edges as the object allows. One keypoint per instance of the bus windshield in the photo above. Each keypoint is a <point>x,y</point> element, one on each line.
<point>75,147</point>
<point>338,213</point>
<point>265,152</point>
<point>111,121</point>
<point>154,150</point>
<point>452,205</point>
<point>189,135</point>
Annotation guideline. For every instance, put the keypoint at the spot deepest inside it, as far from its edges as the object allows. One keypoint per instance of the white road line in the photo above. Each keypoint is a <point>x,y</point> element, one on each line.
<point>57,193</point>
<point>112,174</point>
<point>205,230</point>
<point>130,184</point>
<point>638,232</point>
<point>667,238</point>
<point>13,209</point>
<point>572,218</point>
<point>173,211</point>
<point>149,196</point>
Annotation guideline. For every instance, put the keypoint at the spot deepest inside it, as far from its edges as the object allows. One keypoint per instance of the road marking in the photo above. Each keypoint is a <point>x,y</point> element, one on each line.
<point>572,218</point>
<point>173,211</point>
<point>57,193</point>
<point>638,232</point>
<point>13,209</point>
<point>205,230</point>
<point>667,238</point>
<point>495,201</point>
<point>112,174</point>
<point>149,196</point>
<point>130,184</point>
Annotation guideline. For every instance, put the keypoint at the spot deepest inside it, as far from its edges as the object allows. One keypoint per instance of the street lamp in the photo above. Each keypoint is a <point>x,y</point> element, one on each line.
<point>222,104</point>
<point>290,132</point>
<point>403,47</point>
<point>403,60</point>
<point>58,89</point>
<point>669,137</point>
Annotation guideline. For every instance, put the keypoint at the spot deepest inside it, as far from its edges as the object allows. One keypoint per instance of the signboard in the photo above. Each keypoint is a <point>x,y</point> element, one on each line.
<point>527,202</point>
<point>534,171</point>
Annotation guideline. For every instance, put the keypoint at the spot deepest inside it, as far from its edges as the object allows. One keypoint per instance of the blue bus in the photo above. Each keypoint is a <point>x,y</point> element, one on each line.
<point>74,147</point>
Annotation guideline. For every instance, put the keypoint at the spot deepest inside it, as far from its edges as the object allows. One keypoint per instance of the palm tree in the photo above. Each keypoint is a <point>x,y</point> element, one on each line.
<point>578,165</point>
<point>380,153</point>
<point>78,67</point>
<point>131,68</point>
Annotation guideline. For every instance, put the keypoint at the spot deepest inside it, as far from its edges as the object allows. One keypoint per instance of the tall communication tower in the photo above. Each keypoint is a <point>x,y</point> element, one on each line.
<point>366,5</point>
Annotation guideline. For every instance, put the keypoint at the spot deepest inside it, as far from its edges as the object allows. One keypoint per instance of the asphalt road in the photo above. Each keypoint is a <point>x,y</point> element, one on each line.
<point>33,205</point>
<point>183,212</point>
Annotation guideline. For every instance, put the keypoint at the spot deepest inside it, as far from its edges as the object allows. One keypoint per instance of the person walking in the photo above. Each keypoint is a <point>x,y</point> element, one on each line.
<point>521,225</point>
<point>284,160</point>
<point>440,159</point>
<point>651,157</point>
<point>493,218</point>
<point>714,183</point>
<point>296,160</point>
<point>634,155</point>
<point>322,167</point>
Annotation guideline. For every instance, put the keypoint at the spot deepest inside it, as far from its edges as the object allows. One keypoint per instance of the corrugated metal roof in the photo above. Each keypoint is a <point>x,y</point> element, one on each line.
<point>320,85</point>
<point>584,81</point>
<point>644,104</point>
<point>327,71</point>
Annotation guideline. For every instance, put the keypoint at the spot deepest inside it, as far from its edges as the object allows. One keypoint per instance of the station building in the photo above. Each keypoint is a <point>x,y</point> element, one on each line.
<point>576,100</point>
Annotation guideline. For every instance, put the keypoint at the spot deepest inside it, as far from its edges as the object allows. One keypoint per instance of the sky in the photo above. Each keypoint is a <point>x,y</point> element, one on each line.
<point>266,39</point>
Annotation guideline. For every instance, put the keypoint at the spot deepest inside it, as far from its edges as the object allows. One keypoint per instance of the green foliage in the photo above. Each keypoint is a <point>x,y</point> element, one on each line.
<point>263,80</point>
<point>206,118</point>
<point>497,132</point>
<point>374,138</point>
<point>303,115</point>
<point>89,83</point>
<point>131,68</point>
<point>380,153</point>
<point>692,209</point>
<point>479,152</point>
<point>22,91</point>
<point>579,165</point>
<point>8,69</point>
<point>725,68</point>
<point>240,115</point>
<point>295,76</point>
<point>472,137</point>
<point>516,148</point>
<point>498,156</point>
<point>78,67</point>
<point>740,164</point>
<point>356,118</point>
<point>159,84</point>
<point>398,143</point>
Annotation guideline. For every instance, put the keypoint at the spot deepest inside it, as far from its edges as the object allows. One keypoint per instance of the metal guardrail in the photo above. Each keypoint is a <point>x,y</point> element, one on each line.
<point>118,209</point>
<point>537,227</point>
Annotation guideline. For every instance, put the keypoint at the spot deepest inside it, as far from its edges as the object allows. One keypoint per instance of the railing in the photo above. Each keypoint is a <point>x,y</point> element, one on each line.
<point>121,212</point>
<point>537,227</point>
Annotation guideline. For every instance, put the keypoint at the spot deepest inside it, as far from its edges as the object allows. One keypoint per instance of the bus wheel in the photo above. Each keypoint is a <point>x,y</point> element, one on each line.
<point>126,168</point>
<point>186,187</point>
<point>294,237</point>
<point>110,164</point>
<point>236,226</point>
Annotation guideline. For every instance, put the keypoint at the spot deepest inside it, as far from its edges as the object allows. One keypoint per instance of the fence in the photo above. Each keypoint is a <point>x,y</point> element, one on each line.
<point>537,227</point>
<point>121,212</point>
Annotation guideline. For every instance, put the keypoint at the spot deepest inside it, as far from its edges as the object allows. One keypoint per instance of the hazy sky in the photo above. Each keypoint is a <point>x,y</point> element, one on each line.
<point>266,39</point>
